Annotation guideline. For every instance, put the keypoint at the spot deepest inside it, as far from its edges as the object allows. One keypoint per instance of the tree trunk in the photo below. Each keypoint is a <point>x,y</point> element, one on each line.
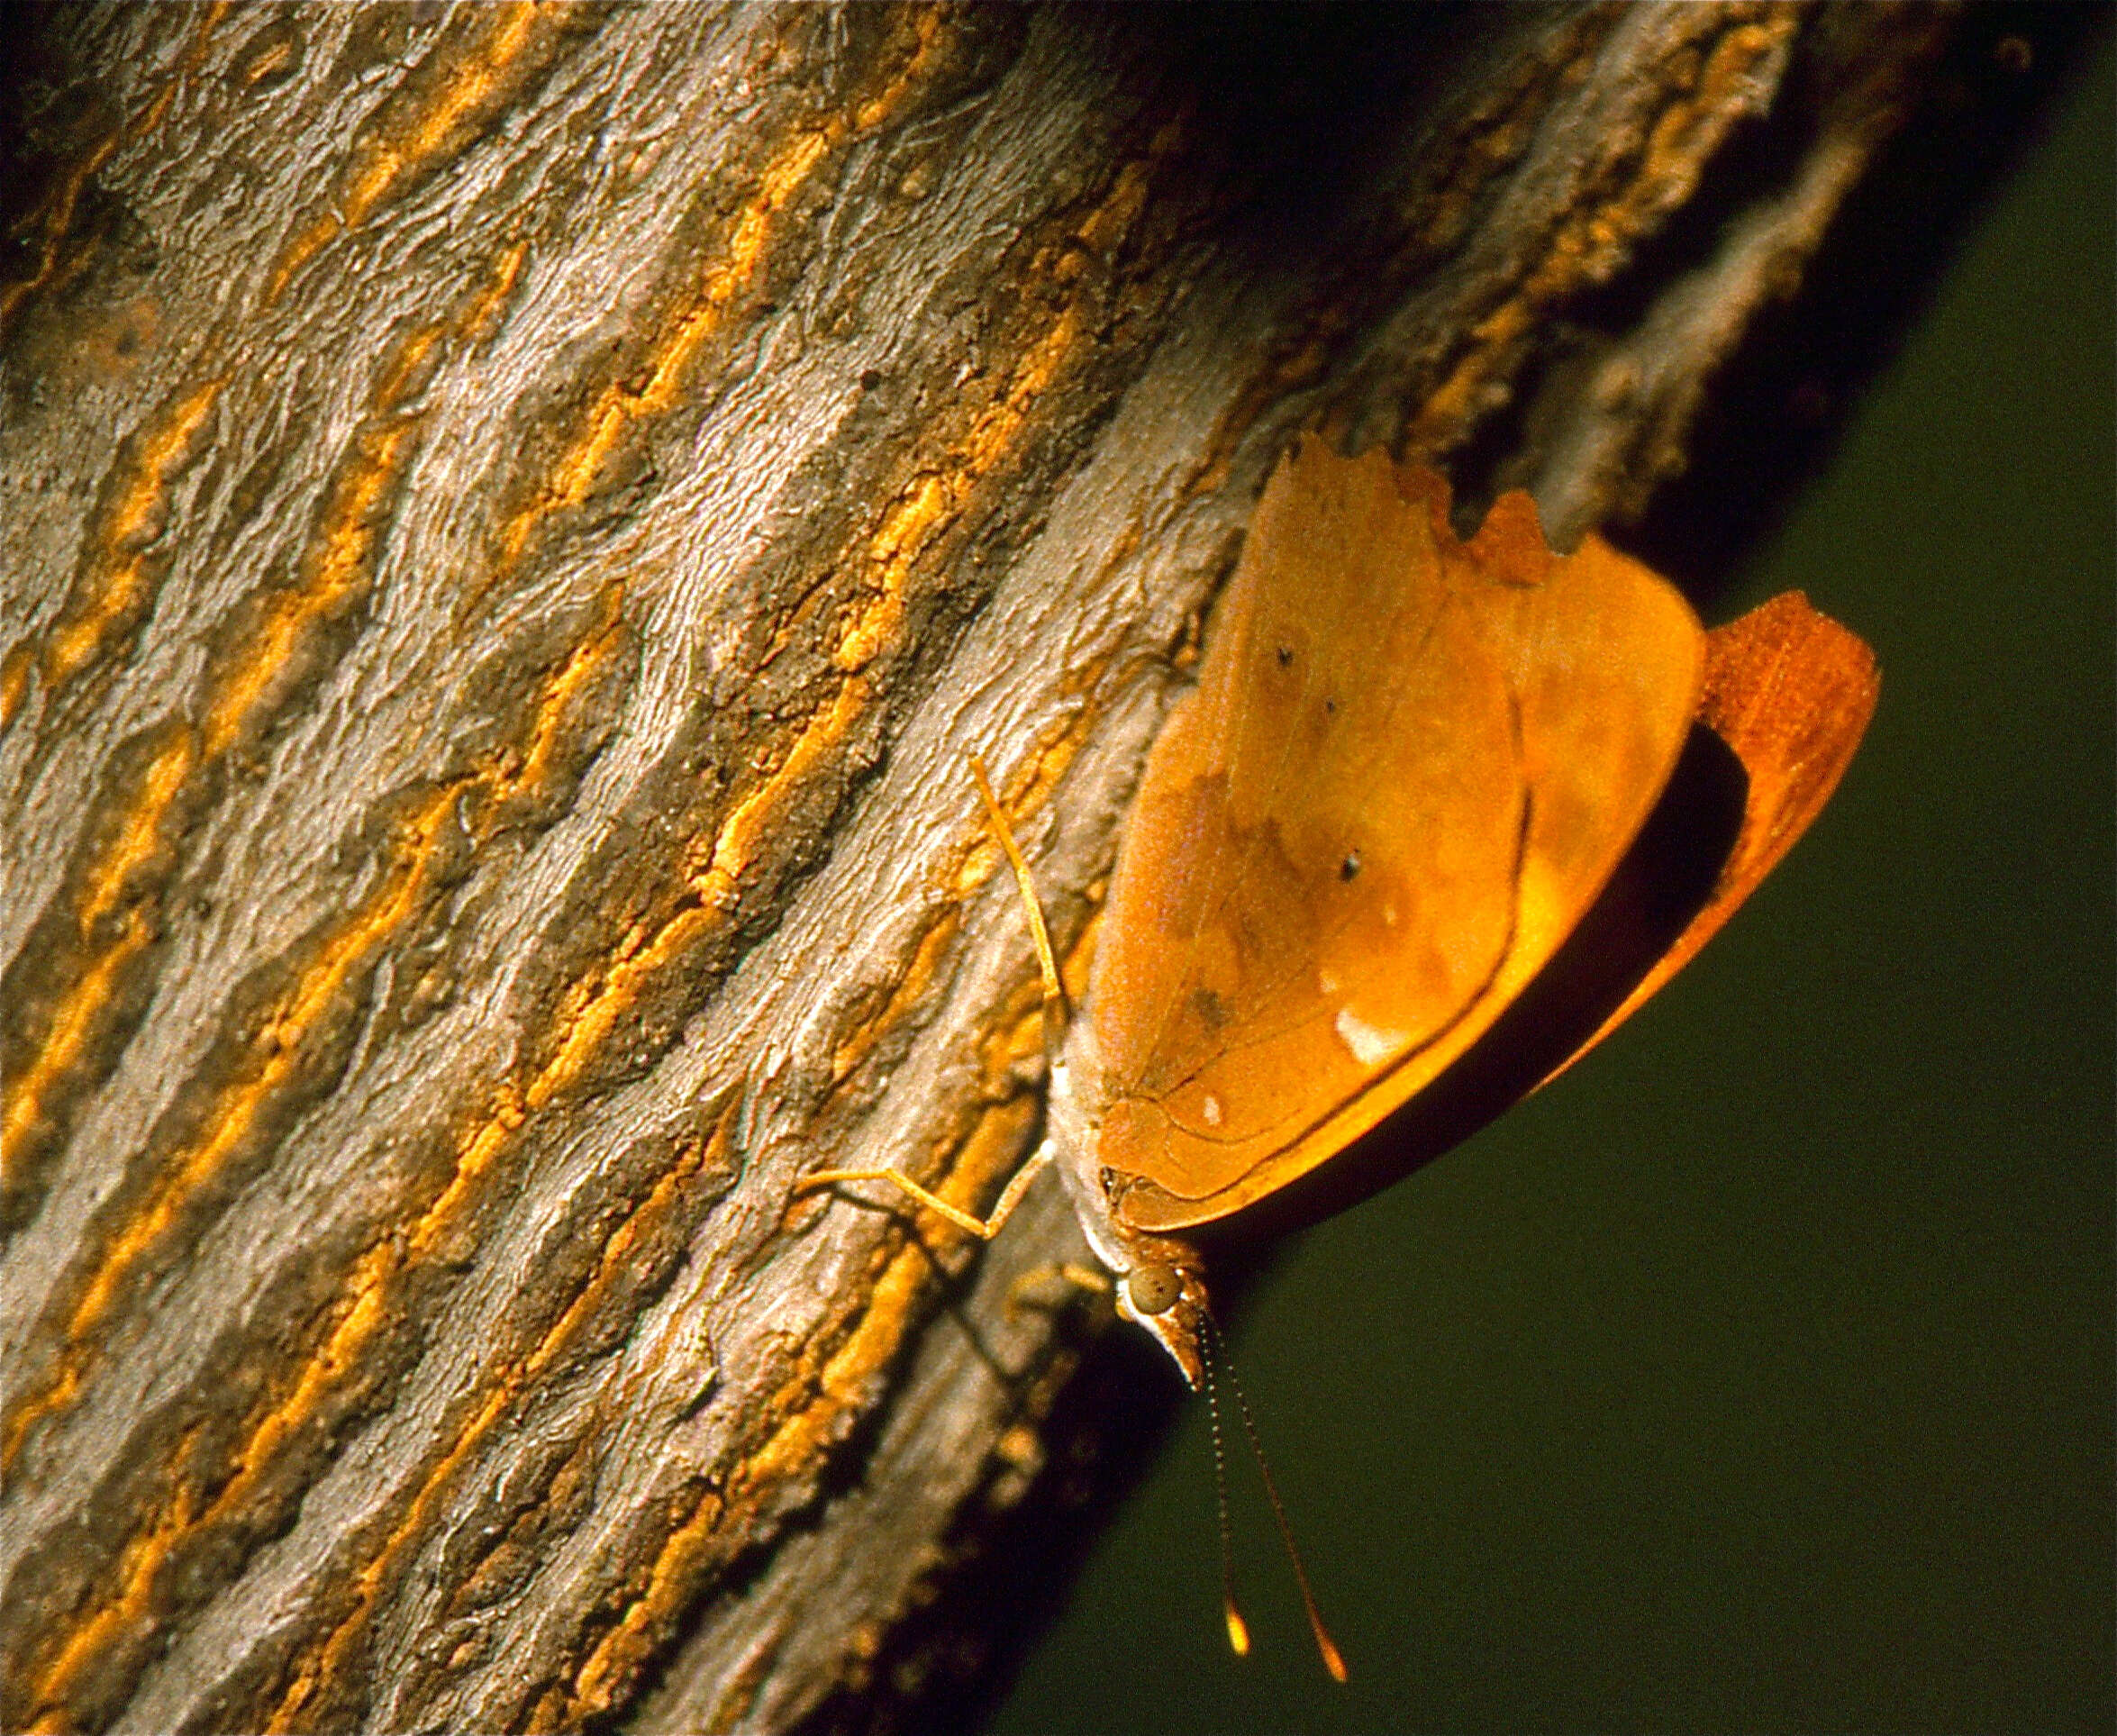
<point>515,518</point>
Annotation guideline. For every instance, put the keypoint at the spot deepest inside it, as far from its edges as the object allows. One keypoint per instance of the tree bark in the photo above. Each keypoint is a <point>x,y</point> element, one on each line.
<point>515,518</point>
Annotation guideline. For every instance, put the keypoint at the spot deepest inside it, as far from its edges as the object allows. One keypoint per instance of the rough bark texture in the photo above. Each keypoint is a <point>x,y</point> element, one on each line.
<point>514,518</point>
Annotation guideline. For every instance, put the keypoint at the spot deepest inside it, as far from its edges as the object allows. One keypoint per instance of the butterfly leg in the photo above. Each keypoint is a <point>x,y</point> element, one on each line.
<point>1029,1289</point>
<point>985,1227</point>
<point>1056,1015</point>
<point>1056,1012</point>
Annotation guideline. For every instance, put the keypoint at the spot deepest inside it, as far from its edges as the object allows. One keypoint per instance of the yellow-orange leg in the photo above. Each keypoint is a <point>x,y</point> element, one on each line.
<point>1021,1293</point>
<point>987,1227</point>
<point>1055,1017</point>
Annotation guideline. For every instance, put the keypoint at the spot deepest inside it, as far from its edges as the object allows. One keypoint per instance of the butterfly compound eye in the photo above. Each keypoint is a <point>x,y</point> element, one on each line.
<point>1153,1289</point>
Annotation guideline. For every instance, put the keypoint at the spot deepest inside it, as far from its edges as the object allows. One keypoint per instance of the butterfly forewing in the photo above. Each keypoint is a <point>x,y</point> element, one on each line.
<point>1408,767</point>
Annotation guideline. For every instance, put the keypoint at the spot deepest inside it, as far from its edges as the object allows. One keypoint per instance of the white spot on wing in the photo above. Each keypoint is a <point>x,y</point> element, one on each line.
<point>1212,1106</point>
<point>1370,1045</point>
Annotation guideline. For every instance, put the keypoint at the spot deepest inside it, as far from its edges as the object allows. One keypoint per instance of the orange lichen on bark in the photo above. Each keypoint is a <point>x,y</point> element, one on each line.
<point>68,1034</point>
<point>595,1012</point>
<point>111,588</point>
<point>58,218</point>
<point>809,1411</point>
<point>656,385</point>
<point>530,768</point>
<point>1590,241</point>
<point>365,1314</point>
<point>933,501</point>
<point>904,996</point>
<point>14,680</point>
<point>1674,157</point>
<point>960,873</point>
<point>282,1030</point>
<point>128,1601</point>
<point>794,1449</point>
<point>481,76</point>
<point>405,890</point>
<point>413,137</point>
<point>340,567</point>
<point>481,315</point>
<point>342,556</point>
<point>334,1361</point>
<point>590,1015</point>
<point>595,1005</point>
<point>336,569</point>
<point>588,1025</point>
<point>620,1249</point>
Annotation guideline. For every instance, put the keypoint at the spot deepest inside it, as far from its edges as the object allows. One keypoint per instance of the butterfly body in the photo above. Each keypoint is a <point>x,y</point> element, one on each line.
<point>1387,855</point>
<point>1410,768</point>
<point>1407,767</point>
<point>1405,847</point>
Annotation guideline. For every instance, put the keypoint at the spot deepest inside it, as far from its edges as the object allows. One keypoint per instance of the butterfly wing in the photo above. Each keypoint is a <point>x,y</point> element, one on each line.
<point>1408,767</point>
<point>1790,691</point>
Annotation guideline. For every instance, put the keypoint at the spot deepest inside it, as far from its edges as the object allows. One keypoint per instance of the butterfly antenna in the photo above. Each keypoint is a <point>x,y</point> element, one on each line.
<point>1238,1629</point>
<point>1333,1659</point>
<point>1056,1012</point>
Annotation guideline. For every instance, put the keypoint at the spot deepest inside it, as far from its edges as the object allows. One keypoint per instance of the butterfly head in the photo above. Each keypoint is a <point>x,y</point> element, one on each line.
<point>1161,1283</point>
<point>1168,1298</point>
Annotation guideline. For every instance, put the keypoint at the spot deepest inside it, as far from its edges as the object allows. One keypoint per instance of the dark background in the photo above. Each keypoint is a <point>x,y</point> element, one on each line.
<point>1758,1375</point>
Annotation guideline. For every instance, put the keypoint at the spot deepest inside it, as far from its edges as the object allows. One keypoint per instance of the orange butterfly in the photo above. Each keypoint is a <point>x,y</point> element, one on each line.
<point>1438,815</point>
